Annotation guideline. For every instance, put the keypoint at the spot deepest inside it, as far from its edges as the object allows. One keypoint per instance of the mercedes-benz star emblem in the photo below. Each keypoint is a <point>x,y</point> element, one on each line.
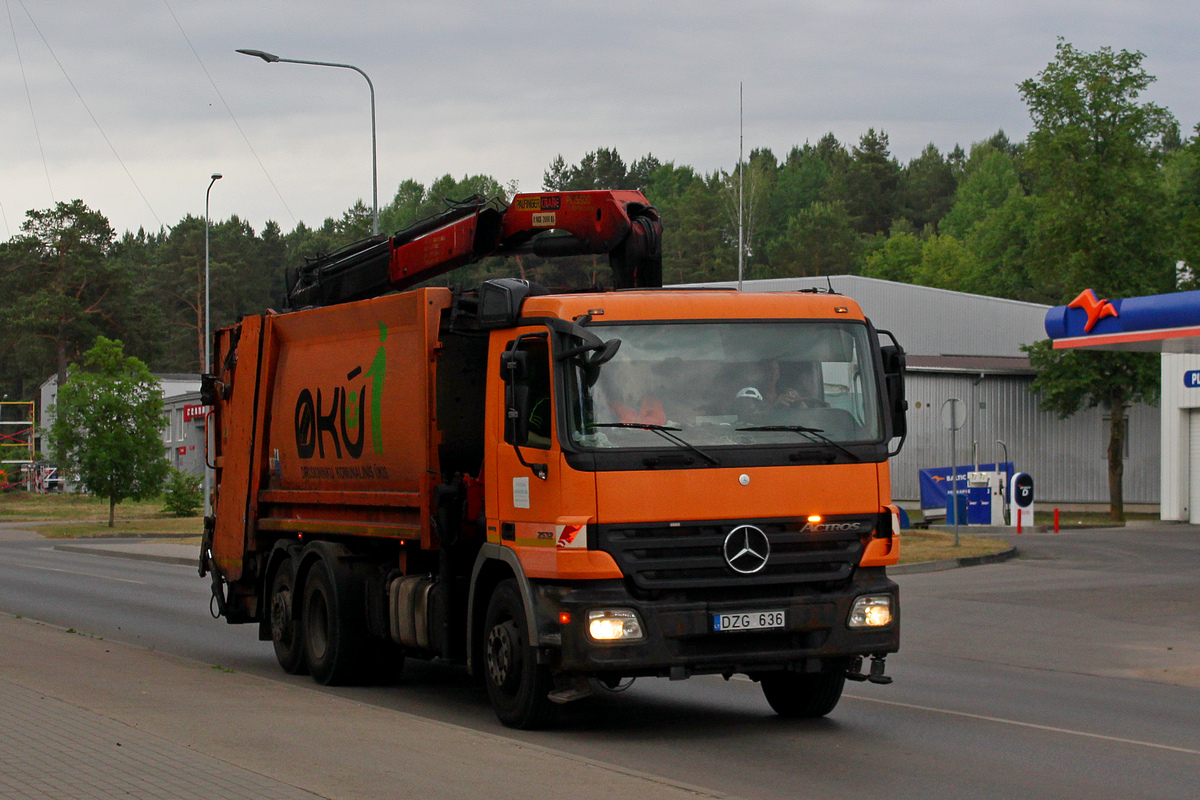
<point>747,549</point>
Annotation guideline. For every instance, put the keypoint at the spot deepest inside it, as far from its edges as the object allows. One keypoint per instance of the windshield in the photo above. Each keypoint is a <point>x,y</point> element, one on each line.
<point>712,384</point>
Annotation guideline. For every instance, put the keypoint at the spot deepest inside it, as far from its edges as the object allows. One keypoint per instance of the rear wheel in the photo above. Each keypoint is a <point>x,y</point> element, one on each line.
<point>286,633</point>
<point>803,696</point>
<point>335,637</point>
<point>516,684</point>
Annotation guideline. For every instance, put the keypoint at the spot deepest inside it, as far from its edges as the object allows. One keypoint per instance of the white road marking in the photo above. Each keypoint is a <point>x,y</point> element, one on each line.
<point>86,574</point>
<point>1018,723</point>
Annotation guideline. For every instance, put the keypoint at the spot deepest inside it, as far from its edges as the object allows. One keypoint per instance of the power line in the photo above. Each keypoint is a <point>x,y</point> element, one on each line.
<point>28,96</point>
<point>229,111</point>
<point>90,114</point>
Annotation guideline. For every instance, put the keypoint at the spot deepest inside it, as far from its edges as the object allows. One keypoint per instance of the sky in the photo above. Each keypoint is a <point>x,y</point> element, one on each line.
<point>131,105</point>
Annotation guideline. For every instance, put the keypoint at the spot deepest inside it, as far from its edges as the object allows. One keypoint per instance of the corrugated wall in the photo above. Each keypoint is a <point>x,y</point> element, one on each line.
<point>1067,458</point>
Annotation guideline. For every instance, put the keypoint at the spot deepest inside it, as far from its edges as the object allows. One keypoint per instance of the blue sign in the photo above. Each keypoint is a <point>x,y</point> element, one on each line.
<point>935,481</point>
<point>1191,379</point>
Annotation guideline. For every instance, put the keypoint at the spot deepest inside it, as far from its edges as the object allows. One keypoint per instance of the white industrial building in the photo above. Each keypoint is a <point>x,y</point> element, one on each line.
<point>967,347</point>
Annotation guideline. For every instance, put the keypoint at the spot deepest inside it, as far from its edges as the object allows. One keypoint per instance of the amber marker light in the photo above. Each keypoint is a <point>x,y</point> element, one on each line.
<point>564,618</point>
<point>814,518</point>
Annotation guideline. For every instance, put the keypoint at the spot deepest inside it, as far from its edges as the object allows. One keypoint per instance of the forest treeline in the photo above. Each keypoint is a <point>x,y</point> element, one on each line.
<point>1105,192</point>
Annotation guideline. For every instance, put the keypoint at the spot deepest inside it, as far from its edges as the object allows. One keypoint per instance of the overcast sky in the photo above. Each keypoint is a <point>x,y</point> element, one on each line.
<point>477,86</point>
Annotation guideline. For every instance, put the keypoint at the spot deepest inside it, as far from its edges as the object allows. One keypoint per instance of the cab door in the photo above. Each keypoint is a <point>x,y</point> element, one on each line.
<point>526,496</point>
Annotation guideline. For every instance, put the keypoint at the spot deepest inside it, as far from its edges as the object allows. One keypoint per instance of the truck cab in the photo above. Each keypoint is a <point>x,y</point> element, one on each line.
<point>694,481</point>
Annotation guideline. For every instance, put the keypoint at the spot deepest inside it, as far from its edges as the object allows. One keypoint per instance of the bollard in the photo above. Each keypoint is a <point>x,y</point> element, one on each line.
<point>1056,520</point>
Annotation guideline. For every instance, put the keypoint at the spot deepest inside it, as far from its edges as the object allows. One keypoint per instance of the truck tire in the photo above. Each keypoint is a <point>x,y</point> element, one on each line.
<point>803,696</point>
<point>335,637</point>
<point>516,684</point>
<point>286,633</point>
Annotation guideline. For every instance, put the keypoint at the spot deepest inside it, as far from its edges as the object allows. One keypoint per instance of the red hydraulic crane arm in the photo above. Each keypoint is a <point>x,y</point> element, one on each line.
<point>619,223</point>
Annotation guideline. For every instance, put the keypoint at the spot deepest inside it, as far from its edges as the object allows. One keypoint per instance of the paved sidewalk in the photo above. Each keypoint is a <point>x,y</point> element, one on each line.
<point>89,719</point>
<point>53,749</point>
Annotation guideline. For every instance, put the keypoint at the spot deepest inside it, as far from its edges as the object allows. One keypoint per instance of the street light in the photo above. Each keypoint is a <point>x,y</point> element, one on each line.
<point>216,176</point>
<point>271,58</point>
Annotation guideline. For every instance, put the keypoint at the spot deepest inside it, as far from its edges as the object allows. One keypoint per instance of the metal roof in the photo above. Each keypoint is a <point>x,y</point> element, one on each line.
<point>928,321</point>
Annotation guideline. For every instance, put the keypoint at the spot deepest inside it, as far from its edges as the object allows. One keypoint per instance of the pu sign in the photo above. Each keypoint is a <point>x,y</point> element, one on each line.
<point>1191,379</point>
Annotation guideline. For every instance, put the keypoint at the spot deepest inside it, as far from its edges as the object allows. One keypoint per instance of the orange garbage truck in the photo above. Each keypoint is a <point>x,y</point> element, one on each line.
<point>561,490</point>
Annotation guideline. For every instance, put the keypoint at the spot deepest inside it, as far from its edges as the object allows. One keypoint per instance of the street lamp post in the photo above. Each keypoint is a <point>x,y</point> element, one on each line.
<point>271,58</point>
<point>216,176</point>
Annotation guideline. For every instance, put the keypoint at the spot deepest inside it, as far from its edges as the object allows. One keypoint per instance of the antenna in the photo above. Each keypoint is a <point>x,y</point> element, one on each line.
<point>741,180</point>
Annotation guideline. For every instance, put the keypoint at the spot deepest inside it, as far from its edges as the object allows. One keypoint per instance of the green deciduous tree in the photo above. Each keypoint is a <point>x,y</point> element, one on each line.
<point>1071,380</point>
<point>1094,156</point>
<point>107,426</point>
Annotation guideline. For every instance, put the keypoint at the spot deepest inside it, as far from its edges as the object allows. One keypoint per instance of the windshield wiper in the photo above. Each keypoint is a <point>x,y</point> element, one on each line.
<point>663,431</point>
<point>816,433</point>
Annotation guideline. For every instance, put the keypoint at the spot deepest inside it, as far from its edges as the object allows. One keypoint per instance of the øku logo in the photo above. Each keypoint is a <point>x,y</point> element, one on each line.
<point>747,549</point>
<point>345,414</point>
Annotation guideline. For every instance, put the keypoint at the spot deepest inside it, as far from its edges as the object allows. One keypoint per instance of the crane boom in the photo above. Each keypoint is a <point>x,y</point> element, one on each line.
<point>619,223</point>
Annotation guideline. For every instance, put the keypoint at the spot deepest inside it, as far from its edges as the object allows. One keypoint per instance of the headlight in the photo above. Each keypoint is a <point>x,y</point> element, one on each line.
<point>614,625</point>
<point>871,611</point>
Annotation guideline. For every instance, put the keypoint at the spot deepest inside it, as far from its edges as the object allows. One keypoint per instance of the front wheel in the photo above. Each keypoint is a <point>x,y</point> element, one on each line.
<point>803,696</point>
<point>516,684</point>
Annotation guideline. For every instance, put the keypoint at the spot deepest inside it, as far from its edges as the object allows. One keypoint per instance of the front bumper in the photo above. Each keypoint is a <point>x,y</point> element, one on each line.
<point>679,638</point>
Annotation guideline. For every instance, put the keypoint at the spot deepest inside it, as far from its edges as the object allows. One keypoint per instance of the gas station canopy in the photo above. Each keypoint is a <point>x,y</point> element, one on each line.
<point>1161,323</point>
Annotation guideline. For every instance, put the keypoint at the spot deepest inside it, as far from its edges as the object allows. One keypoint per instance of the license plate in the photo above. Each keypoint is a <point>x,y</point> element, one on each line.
<point>749,620</point>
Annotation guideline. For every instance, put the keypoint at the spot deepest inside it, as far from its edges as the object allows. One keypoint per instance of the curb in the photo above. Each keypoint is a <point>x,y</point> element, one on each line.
<point>104,551</point>
<point>953,563</point>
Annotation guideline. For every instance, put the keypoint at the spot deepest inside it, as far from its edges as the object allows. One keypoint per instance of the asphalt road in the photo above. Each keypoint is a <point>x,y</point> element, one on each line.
<point>1071,672</point>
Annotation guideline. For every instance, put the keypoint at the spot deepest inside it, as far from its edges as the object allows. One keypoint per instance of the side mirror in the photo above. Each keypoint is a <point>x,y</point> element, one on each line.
<point>893,377</point>
<point>514,370</point>
<point>591,364</point>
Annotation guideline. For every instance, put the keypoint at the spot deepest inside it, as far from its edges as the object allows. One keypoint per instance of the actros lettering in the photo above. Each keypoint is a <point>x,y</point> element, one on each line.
<point>826,527</point>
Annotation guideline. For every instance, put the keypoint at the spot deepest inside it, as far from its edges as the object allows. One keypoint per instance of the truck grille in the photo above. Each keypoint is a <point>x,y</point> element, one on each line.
<point>691,555</point>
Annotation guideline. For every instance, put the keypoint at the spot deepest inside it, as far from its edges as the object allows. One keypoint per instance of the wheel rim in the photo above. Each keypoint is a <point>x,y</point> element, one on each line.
<point>281,617</point>
<point>501,649</point>
<point>317,615</point>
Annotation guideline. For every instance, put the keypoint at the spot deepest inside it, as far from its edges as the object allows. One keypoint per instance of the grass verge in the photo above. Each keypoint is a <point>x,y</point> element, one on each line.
<point>27,507</point>
<point>923,545</point>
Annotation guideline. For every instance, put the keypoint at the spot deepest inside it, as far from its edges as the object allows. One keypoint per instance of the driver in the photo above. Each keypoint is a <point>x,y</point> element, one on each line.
<point>775,391</point>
